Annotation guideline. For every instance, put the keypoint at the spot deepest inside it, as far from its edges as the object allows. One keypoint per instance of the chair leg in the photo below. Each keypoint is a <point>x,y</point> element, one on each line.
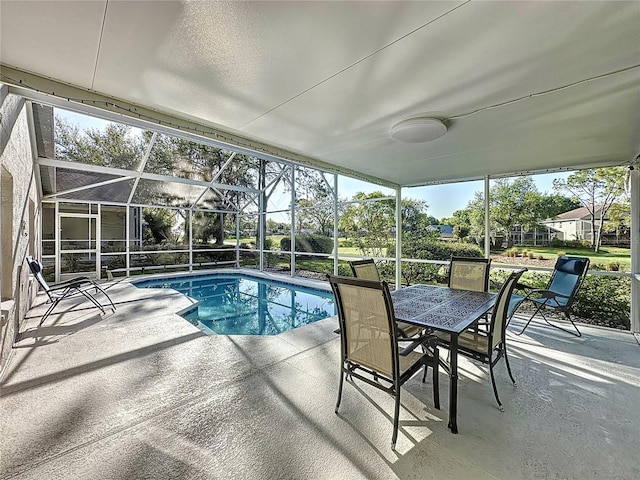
<point>538,308</point>
<point>340,390</point>
<point>48,312</point>
<point>495,389</point>
<point>396,418</point>
<point>92,299</point>
<point>577,333</point>
<point>108,297</point>
<point>436,378</point>
<point>506,361</point>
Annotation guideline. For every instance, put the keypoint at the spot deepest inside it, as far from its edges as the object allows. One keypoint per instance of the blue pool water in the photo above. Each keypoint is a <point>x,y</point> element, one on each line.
<point>238,304</point>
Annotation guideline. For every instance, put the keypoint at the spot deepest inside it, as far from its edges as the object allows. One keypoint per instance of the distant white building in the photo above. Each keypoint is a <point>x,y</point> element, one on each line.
<point>573,225</point>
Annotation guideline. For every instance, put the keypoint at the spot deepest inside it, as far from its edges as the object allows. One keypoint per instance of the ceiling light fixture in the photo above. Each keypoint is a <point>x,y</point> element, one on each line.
<point>418,130</point>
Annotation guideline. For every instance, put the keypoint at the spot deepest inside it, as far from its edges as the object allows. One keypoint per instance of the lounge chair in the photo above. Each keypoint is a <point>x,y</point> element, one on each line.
<point>568,275</point>
<point>67,289</point>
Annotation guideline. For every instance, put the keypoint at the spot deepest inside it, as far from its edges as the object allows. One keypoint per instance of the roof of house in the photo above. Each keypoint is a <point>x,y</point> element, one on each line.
<point>443,229</point>
<point>575,214</point>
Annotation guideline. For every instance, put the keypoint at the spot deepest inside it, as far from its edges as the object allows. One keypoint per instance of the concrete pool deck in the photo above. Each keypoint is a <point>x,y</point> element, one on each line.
<point>142,393</point>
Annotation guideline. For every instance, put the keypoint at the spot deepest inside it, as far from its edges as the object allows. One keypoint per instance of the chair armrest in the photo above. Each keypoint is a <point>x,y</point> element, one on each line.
<point>546,293</point>
<point>429,340</point>
<point>72,283</point>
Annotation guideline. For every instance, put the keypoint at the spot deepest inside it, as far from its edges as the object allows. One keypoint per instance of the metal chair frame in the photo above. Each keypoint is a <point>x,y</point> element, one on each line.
<point>392,384</point>
<point>495,337</point>
<point>67,289</point>
<point>553,299</point>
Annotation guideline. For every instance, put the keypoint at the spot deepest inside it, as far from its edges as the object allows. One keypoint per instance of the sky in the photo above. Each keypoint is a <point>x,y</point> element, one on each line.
<point>442,200</point>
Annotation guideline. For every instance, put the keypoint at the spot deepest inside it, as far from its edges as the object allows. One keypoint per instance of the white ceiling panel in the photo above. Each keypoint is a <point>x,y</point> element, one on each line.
<point>231,62</point>
<point>56,38</point>
<point>522,86</point>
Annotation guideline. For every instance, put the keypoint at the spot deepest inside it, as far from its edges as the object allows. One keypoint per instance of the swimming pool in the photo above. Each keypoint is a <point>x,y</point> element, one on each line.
<point>242,304</point>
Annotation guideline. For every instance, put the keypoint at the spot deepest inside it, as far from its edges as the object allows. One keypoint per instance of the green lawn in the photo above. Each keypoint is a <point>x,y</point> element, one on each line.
<point>606,255</point>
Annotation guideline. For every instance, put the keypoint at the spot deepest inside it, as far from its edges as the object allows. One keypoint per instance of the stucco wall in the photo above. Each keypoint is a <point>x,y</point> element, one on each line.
<point>19,218</point>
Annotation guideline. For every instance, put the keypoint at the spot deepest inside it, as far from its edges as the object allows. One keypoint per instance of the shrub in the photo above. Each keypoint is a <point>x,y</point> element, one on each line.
<point>556,243</point>
<point>531,256</point>
<point>540,257</point>
<point>309,243</point>
<point>606,299</point>
<point>613,267</point>
<point>424,248</point>
<point>436,250</point>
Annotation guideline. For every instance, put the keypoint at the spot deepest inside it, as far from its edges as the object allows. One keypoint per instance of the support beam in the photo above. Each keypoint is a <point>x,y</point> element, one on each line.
<point>398,237</point>
<point>293,221</point>
<point>487,230</point>
<point>635,247</point>
<point>336,231</point>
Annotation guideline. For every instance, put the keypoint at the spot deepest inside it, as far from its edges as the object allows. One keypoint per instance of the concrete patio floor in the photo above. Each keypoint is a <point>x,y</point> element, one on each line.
<point>141,393</point>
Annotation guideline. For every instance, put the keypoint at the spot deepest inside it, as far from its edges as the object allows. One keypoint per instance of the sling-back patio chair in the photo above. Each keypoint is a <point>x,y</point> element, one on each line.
<point>490,346</point>
<point>367,270</point>
<point>67,289</point>
<point>560,293</point>
<point>469,273</point>
<point>370,349</point>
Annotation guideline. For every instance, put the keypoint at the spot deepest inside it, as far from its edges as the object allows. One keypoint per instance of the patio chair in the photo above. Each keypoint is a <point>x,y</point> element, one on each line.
<point>568,275</point>
<point>67,289</point>
<point>490,346</point>
<point>367,270</point>
<point>370,350</point>
<point>469,273</point>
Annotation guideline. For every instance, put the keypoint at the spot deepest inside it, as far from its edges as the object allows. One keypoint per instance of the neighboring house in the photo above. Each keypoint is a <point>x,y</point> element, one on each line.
<point>539,236</point>
<point>446,231</point>
<point>575,225</point>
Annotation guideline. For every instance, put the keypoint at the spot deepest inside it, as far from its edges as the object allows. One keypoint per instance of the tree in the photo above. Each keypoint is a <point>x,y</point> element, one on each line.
<point>596,190</point>
<point>511,203</point>
<point>461,223</point>
<point>369,223</point>
<point>553,205</point>
<point>115,146</point>
<point>619,218</point>
<point>158,224</point>
<point>414,217</point>
<point>314,201</point>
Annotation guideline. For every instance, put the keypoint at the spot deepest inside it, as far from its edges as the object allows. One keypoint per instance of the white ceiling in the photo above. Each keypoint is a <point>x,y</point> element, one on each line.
<point>522,86</point>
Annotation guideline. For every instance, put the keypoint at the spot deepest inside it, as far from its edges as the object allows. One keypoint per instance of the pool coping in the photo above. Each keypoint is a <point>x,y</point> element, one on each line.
<point>302,282</point>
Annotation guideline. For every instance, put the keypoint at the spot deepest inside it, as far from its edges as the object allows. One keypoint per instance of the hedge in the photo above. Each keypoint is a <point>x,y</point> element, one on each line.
<point>425,248</point>
<point>311,243</point>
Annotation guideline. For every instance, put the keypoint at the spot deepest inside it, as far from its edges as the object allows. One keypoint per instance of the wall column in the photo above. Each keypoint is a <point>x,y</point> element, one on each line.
<point>635,247</point>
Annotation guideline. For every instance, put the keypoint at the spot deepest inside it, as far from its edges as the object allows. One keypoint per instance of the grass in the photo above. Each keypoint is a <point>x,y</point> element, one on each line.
<point>606,255</point>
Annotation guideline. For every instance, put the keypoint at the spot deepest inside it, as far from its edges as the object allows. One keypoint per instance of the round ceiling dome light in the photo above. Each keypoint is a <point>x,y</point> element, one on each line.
<point>418,130</point>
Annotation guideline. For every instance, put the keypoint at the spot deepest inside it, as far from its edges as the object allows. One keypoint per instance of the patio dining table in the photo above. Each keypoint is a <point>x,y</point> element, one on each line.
<point>446,310</point>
